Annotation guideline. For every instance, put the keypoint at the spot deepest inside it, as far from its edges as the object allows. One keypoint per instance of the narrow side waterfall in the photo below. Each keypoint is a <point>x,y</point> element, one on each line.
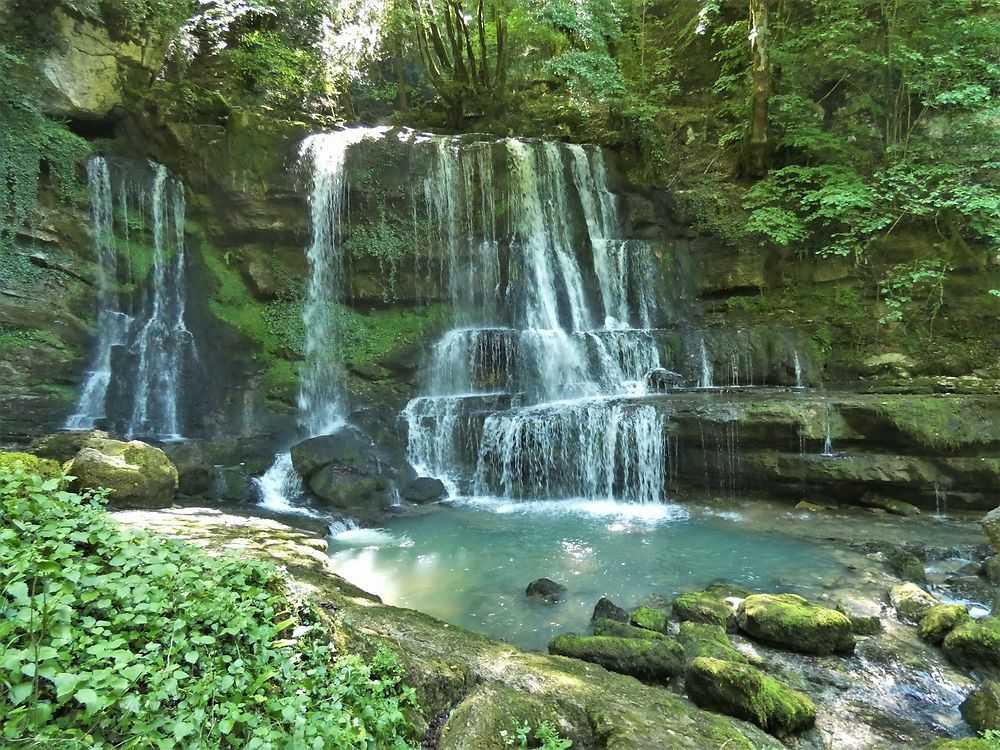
<point>137,370</point>
<point>533,392</point>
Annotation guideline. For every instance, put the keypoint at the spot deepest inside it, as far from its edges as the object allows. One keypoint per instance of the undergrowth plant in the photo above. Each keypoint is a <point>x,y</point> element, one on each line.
<point>112,637</point>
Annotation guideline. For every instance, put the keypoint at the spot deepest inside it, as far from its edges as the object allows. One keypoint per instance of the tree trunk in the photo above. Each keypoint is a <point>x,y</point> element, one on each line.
<point>759,146</point>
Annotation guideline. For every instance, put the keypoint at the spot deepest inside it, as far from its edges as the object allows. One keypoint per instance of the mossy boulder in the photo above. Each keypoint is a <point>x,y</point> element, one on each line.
<point>975,645</point>
<point>745,692</point>
<point>615,629</point>
<point>62,446</point>
<point>648,618</point>
<point>905,564</point>
<point>646,658</point>
<point>139,475</point>
<point>940,621</point>
<point>991,527</point>
<point>44,467</point>
<point>981,709</point>
<point>889,504</point>
<point>703,606</point>
<point>969,743</point>
<point>911,602</point>
<point>702,640</point>
<point>861,624</point>
<point>789,621</point>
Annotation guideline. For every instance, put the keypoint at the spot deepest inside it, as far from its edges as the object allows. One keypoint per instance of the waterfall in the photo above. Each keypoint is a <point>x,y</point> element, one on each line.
<point>531,393</point>
<point>142,355</point>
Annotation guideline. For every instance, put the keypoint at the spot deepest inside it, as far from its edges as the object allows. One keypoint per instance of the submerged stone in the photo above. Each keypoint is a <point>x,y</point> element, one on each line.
<point>646,658</point>
<point>605,609</point>
<point>792,622</point>
<point>981,709</point>
<point>648,618</point>
<point>940,621</point>
<point>862,624</point>
<point>911,602</point>
<point>545,590</point>
<point>745,692</point>
<point>975,645</point>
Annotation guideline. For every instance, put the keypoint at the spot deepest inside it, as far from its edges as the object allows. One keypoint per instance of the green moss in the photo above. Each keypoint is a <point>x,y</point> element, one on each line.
<point>940,621</point>
<point>969,743</point>
<point>15,339</point>
<point>648,618</point>
<point>138,257</point>
<point>981,709</point>
<point>703,606</point>
<point>792,622</point>
<point>645,658</point>
<point>975,645</point>
<point>615,629</point>
<point>43,467</point>
<point>744,692</point>
<point>65,392</point>
<point>944,421</point>
<point>369,337</point>
<point>699,639</point>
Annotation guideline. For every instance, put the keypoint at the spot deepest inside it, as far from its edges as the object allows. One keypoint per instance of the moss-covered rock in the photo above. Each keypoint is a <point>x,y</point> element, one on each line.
<point>703,606</point>
<point>975,645</point>
<point>138,475</point>
<point>861,624</point>
<point>745,692</point>
<point>940,621</point>
<point>615,629</point>
<point>646,658</point>
<point>991,527</point>
<point>969,743</point>
<point>43,467</point>
<point>648,618</point>
<point>889,504</point>
<point>905,564</point>
<point>981,709</point>
<point>700,639</point>
<point>792,622</point>
<point>911,602</point>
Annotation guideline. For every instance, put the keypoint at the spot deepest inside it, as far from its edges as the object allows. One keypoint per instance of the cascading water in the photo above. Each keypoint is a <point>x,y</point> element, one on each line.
<point>320,401</point>
<point>143,355</point>
<point>535,397</point>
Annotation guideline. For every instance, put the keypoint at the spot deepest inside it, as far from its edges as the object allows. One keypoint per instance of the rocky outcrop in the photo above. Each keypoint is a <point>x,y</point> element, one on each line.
<point>91,69</point>
<point>138,475</point>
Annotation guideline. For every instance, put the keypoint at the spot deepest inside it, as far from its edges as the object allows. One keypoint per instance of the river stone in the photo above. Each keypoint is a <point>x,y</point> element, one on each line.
<point>615,629</point>
<point>346,448</point>
<point>861,624</point>
<point>605,609</point>
<point>991,527</point>
<point>745,692</point>
<point>139,475</point>
<point>981,709</point>
<point>699,639</point>
<point>911,602</point>
<point>62,446</point>
<point>545,590</point>
<point>991,569</point>
<point>349,490</point>
<point>645,658</point>
<point>905,564</point>
<point>789,621</point>
<point>975,645</point>
<point>896,507</point>
<point>940,621</point>
<point>703,606</point>
<point>424,490</point>
<point>648,618</point>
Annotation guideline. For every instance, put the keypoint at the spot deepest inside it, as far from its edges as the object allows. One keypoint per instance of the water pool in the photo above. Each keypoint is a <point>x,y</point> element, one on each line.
<point>469,562</point>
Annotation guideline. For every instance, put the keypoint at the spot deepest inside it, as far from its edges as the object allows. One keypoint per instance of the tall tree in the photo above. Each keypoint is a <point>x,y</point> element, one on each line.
<point>759,146</point>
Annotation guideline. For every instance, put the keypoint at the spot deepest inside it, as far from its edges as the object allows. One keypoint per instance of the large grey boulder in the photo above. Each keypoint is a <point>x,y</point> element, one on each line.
<point>138,475</point>
<point>345,448</point>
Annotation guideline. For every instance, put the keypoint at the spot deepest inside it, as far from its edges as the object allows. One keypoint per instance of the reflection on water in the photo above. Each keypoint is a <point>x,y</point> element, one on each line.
<point>469,564</point>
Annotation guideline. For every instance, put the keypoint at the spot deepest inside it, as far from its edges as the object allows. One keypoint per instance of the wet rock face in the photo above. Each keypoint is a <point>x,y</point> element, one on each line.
<point>605,609</point>
<point>645,658</point>
<point>991,527</point>
<point>424,490</point>
<point>138,475</point>
<point>792,622</point>
<point>545,590</point>
<point>911,602</point>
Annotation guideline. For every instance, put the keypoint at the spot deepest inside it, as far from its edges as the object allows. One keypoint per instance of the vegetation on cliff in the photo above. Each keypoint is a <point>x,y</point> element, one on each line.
<point>118,638</point>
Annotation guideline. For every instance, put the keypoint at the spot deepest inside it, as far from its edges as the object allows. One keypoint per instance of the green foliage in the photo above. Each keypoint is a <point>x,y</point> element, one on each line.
<point>913,290</point>
<point>992,736</point>
<point>386,241</point>
<point>544,737</point>
<point>115,638</point>
<point>368,337</point>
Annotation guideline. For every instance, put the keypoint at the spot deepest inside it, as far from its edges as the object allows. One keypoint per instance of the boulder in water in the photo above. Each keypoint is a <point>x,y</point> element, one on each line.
<point>424,490</point>
<point>991,527</point>
<point>138,475</point>
<point>605,609</point>
<point>709,606</point>
<point>615,629</point>
<point>346,448</point>
<point>791,622</point>
<point>645,658</point>
<point>889,504</point>
<point>981,709</point>
<point>745,692</point>
<point>699,639</point>
<point>911,602</point>
<point>975,645</point>
<point>545,590</point>
<point>346,489</point>
<point>648,618</point>
<point>941,620</point>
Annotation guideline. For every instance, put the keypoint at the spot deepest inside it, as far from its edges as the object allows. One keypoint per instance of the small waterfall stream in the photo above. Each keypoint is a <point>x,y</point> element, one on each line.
<point>141,355</point>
